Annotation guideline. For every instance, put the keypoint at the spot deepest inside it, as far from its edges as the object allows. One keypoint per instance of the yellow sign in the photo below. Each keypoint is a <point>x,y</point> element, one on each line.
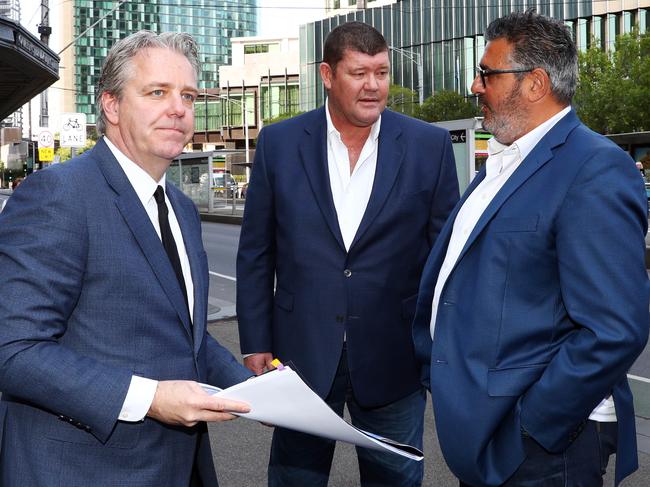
<point>46,154</point>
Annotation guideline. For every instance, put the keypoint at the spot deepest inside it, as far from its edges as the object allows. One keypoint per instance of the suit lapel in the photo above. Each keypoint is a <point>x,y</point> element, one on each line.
<point>313,154</point>
<point>390,154</point>
<point>138,221</point>
<point>540,155</point>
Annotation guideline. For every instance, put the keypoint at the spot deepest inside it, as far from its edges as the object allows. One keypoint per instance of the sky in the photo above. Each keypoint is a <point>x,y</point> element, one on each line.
<point>282,17</point>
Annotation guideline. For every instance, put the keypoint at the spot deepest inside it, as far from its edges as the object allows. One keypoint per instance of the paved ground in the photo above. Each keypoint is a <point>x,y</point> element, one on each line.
<point>241,447</point>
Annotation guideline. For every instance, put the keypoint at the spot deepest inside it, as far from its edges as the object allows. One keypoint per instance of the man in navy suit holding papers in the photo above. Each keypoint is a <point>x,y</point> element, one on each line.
<point>104,297</point>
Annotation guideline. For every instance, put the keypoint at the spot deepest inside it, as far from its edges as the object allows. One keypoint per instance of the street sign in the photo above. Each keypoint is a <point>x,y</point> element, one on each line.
<point>46,154</point>
<point>73,130</point>
<point>45,139</point>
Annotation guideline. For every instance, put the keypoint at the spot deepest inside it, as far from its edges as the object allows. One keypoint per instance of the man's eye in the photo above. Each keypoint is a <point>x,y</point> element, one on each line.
<point>157,92</point>
<point>189,97</point>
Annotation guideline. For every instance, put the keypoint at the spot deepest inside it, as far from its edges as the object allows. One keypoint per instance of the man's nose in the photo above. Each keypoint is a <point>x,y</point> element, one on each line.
<point>371,83</point>
<point>477,85</point>
<point>177,106</point>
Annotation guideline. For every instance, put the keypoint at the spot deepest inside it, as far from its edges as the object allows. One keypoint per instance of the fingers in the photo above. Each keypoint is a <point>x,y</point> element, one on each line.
<point>259,362</point>
<point>186,403</point>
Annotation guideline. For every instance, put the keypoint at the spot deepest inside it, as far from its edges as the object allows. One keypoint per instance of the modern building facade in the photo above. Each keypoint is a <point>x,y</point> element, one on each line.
<point>444,38</point>
<point>262,81</point>
<point>94,26</point>
<point>10,9</point>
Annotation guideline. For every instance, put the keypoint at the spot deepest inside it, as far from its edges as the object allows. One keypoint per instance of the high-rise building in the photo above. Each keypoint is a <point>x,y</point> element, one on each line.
<point>94,26</point>
<point>11,10</point>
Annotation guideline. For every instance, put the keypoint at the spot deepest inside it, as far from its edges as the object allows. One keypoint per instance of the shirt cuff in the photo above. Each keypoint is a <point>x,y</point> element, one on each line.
<point>138,399</point>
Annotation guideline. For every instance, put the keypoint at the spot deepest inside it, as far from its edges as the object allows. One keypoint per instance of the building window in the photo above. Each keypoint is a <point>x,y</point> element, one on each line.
<point>261,48</point>
<point>278,100</point>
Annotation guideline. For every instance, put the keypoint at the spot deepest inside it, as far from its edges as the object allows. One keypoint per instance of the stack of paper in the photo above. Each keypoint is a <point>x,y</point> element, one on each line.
<point>282,398</point>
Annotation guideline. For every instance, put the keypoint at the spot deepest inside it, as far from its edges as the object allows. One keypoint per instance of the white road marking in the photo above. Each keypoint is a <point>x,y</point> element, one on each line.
<point>636,377</point>
<point>223,276</point>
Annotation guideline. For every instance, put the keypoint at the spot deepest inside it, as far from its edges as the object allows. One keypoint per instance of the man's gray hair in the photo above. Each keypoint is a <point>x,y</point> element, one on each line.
<point>117,68</point>
<point>540,42</point>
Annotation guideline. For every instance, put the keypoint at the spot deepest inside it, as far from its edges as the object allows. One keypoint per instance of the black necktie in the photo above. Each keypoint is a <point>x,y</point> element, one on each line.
<point>168,238</point>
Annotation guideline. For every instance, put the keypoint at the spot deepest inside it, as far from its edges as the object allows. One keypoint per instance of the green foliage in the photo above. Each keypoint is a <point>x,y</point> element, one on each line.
<point>402,100</point>
<point>64,153</point>
<point>446,105</point>
<point>613,87</point>
<point>281,117</point>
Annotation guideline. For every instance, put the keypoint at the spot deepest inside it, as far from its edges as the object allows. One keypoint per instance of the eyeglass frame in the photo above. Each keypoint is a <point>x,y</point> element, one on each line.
<point>483,73</point>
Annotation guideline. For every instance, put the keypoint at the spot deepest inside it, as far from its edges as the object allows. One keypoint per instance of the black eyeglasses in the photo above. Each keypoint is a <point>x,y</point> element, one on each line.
<point>484,73</point>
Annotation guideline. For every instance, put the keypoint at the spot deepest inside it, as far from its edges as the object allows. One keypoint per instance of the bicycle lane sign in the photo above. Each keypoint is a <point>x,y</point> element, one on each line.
<point>73,130</point>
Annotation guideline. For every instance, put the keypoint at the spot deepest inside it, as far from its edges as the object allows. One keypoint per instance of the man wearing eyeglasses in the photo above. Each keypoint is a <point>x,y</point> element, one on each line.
<point>534,301</point>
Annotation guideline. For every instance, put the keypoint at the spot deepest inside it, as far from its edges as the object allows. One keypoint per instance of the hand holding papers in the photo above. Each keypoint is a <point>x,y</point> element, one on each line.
<point>282,398</point>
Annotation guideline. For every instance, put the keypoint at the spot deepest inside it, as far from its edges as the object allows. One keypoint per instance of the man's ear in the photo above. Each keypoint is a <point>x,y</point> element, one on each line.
<point>111,106</point>
<point>539,85</point>
<point>326,74</point>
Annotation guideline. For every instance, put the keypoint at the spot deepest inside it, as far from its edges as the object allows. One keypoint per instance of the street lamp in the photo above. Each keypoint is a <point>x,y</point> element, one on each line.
<point>417,60</point>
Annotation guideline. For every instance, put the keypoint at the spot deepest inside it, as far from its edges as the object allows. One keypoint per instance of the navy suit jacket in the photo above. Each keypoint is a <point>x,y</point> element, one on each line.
<point>544,311</point>
<point>89,298</point>
<point>290,233</point>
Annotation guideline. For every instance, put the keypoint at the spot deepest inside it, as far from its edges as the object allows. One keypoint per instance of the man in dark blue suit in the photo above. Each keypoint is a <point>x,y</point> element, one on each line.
<point>104,280</point>
<point>536,293</point>
<point>343,206</point>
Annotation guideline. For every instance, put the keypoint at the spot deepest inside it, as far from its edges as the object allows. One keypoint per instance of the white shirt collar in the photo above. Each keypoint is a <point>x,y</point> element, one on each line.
<point>528,142</point>
<point>331,129</point>
<point>143,184</point>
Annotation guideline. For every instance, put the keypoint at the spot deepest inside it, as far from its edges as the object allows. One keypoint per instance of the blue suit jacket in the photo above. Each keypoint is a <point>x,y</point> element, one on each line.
<point>89,299</point>
<point>291,232</point>
<point>545,309</point>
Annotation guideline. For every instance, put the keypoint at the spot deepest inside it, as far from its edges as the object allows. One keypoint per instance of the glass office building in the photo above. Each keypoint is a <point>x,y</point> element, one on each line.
<point>444,38</point>
<point>211,22</point>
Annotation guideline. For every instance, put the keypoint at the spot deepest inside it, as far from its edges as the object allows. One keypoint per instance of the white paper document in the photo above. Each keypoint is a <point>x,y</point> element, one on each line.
<point>282,398</point>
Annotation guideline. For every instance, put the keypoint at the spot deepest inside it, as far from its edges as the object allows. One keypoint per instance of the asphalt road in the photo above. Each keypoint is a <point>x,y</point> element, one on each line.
<point>241,447</point>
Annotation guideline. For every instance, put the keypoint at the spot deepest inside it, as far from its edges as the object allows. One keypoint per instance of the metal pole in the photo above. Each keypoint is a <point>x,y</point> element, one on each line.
<point>44,30</point>
<point>210,187</point>
<point>420,79</point>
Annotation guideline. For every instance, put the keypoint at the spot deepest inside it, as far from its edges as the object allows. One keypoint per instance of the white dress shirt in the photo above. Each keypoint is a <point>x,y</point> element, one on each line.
<point>350,191</point>
<point>501,164</point>
<point>142,390</point>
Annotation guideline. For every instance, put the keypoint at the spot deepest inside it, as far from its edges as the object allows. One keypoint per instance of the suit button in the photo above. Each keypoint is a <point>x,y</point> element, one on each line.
<point>347,272</point>
<point>340,319</point>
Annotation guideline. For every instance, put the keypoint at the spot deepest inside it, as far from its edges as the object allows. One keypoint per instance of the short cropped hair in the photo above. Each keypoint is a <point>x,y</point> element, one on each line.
<point>540,42</point>
<point>117,68</point>
<point>355,36</point>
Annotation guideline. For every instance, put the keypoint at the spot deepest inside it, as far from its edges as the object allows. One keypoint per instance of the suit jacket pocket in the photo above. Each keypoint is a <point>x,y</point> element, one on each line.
<point>283,299</point>
<point>513,381</point>
<point>515,224</point>
<point>125,435</point>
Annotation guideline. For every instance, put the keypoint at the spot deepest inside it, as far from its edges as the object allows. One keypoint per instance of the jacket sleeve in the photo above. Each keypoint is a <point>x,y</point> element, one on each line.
<point>256,258</point>
<point>43,249</point>
<point>600,249</point>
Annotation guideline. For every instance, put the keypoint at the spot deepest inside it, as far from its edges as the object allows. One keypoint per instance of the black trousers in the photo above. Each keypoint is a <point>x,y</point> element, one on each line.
<point>582,464</point>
